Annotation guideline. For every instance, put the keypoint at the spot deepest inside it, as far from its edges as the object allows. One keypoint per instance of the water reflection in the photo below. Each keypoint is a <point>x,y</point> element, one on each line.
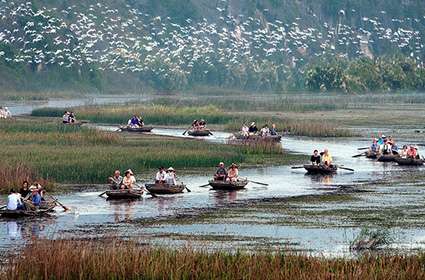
<point>123,210</point>
<point>224,197</point>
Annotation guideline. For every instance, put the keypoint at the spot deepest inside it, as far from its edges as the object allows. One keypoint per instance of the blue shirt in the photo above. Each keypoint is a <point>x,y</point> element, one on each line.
<point>36,199</point>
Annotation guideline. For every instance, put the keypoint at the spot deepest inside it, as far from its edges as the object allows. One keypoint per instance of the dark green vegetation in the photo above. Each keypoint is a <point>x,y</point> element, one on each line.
<point>115,259</point>
<point>55,152</point>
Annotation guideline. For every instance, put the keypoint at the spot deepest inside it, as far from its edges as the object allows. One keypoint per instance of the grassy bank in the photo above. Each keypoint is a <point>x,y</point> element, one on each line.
<point>184,115</point>
<point>115,259</point>
<point>65,154</point>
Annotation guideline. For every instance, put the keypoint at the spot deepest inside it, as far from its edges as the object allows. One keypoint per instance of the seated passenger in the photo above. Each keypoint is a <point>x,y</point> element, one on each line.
<point>65,117</point>
<point>170,177</point>
<point>315,158</point>
<point>129,181</point>
<point>273,130</point>
<point>386,148</point>
<point>24,190</point>
<point>374,148</point>
<point>134,122</point>
<point>202,124</point>
<point>116,180</point>
<point>221,173</point>
<point>245,130</point>
<point>326,158</point>
<point>412,152</point>
<point>253,129</point>
<point>160,176</point>
<point>14,201</point>
<point>265,131</point>
<point>233,173</point>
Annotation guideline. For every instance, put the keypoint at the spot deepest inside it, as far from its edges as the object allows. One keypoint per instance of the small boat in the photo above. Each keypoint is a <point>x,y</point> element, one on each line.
<point>124,194</point>
<point>227,185</point>
<point>387,158</point>
<point>320,169</point>
<point>165,189</point>
<point>254,138</point>
<point>26,213</point>
<point>409,161</point>
<point>371,155</point>
<point>200,133</point>
<point>142,129</point>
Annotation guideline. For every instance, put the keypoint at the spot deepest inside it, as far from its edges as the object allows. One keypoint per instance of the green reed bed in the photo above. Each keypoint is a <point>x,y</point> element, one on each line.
<point>113,259</point>
<point>79,155</point>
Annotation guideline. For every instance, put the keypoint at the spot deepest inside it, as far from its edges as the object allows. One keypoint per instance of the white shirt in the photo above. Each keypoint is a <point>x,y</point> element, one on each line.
<point>170,179</point>
<point>13,200</point>
<point>160,176</point>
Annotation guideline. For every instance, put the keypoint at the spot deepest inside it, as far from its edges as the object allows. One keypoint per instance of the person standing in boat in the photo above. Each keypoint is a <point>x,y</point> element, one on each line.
<point>160,176</point>
<point>221,173</point>
<point>129,181</point>
<point>326,158</point>
<point>315,158</point>
<point>170,177</point>
<point>116,180</point>
<point>233,173</point>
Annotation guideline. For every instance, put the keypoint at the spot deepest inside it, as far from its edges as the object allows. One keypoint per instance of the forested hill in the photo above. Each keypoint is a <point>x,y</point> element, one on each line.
<point>348,45</point>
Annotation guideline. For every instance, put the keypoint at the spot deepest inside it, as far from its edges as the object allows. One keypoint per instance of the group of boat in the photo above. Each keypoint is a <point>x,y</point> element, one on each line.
<point>403,161</point>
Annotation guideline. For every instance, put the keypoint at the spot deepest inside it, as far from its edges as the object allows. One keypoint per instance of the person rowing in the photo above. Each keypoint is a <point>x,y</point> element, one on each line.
<point>116,180</point>
<point>265,131</point>
<point>326,158</point>
<point>160,176</point>
<point>221,173</point>
<point>273,130</point>
<point>315,159</point>
<point>134,122</point>
<point>252,130</point>
<point>129,181</point>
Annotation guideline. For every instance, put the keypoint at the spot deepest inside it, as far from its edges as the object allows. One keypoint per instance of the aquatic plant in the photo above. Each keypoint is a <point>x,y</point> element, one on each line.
<point>371,239</point>
<point>116,259</point>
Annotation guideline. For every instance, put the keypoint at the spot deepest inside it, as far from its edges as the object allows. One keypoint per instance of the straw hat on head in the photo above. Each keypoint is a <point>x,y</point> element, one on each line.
<point>253,123</point>
<point>33,188</point>
<point>234,165</point>
<point>171,169</point>
<point>221,163</point>
<point>129,171</point>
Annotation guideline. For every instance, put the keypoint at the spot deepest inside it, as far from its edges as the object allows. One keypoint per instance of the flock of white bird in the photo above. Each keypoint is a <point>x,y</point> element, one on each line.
<point>104,39</point>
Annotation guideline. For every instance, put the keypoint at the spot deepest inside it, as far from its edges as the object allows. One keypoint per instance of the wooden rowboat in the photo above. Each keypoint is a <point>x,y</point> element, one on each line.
<point>371,155</point>
<point>164,188</point>
<point>124,194</point>
<point>136,130</point>
<point>255,138</point>
<point>200,133</point>
<point>228,186</point>
<point>387,158</point>
<point>409,161</point>
<point>320,169</point>
<point>25,213</point>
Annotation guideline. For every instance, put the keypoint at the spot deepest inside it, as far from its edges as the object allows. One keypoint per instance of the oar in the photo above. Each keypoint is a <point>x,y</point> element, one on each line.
<point>211,133</point>
<point>345,168</point>
<point>188,190</point>
<point>146,190</point>
<point>297,167</point>
<point>187,130</point>
<point>203,186</point>
<point>58,202</point>
<point>3,207</point>
<point>258,183</point>
<point>102,193</point>
<point>364,148</point>
<point>359,155</point>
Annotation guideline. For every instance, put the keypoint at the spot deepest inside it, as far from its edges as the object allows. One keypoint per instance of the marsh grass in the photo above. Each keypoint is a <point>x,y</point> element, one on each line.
<point>63,154</point>
<point>114,259</point>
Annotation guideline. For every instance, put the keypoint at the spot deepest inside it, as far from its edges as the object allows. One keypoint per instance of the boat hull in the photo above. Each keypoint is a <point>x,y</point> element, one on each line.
<point>137,130</point>
<point>199,133</point>
<point>164,189</point>
<point>409,161</point>
<point>228,186</point>
<point>258,138</point>
<point>387,158</point>
<point>320,169</point>
<point>124,194</point>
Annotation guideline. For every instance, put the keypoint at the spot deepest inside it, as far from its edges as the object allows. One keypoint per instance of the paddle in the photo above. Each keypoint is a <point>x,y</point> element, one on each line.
<point>146,190</point>
<point>188,190</point>
<point>204,186</point>
<point>258,183</point>
<point>3,207</point>
<point>345,168</point>
<point>102,193</point>
<point>365,148</point>
<point>297,167</point>
<point>58,202</point>
<point>359,155</point>
<point>187,130</point>
<point>211,133</point>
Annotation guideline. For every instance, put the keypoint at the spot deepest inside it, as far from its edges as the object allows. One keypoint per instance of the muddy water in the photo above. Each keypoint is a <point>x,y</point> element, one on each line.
<point>93,216</point>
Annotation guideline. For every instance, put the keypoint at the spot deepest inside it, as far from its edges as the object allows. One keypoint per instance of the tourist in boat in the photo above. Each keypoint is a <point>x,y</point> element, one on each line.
<point>35,199</point>
<point>233,173</point>
<point>315,158</point>
<point>273,130</point>
<point>24,190</point>
<point>129,181</point>
<point>265,131</point>
<point>170,177</point>
<point>245,130</point>
<point>221,173</point>
<point>65,117</point>
<point>14,201</point>
<point>160,176</point>
<point>326,158</point>
<point>253,129</point>
<point>195,124</point>
<point>386,148</point>
<point>202,124</point>
<point>72,117</point>
<point>134,122</point>
<point>116,180</point>
<point>381,138</point>
<point>394,147</point>
<point>374,148</point>
<point>412,152</point>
